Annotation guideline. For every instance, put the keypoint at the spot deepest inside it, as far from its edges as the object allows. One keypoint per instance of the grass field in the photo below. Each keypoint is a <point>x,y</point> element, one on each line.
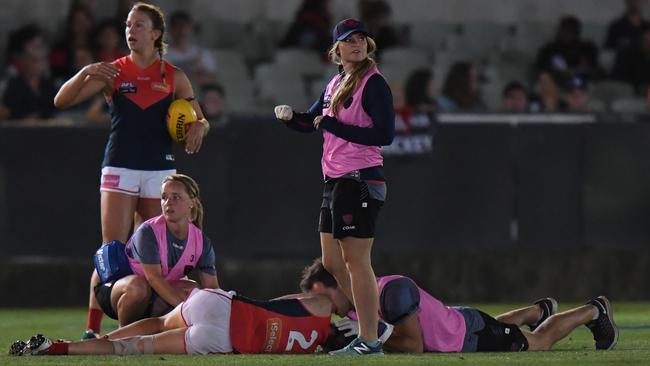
<point>633,347</point>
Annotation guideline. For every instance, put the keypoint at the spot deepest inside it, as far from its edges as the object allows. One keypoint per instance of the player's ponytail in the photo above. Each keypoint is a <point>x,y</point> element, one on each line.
<point>192,189</point>
<point>158,21</point>
<point>349,82</point>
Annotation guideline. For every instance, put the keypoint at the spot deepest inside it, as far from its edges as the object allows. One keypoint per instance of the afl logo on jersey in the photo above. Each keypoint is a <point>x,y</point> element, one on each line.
<point>127,87</point>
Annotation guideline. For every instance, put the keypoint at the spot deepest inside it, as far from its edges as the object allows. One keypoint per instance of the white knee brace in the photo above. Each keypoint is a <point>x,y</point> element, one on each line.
<point>129,346</point>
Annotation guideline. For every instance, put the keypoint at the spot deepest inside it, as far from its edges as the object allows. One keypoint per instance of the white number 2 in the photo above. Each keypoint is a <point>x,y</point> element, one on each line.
<point>300,338</point>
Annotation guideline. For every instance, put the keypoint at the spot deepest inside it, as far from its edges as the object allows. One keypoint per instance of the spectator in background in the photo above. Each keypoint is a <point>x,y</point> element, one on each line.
<point>626,30</point>
<point>213,103</point>
<point>78,30</point>
<point>94,110</point>
<point>122,9</point>
<point>376,14</point>
<point>577,95</point>
<point>311,27</point>
<point>107,42</point>
<point>548,96</point>
<point>460,92</point>
<point>515,98</point>
<point>633,63</point>
<point>420,99</point>
<point>198,62</point>
<point>569,54</point>
<point>30,91</point>
<point>403,112</point>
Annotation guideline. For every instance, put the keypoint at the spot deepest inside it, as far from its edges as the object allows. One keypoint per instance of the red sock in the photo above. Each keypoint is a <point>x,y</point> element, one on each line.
<point>58,348</point>
<point>94,321</point>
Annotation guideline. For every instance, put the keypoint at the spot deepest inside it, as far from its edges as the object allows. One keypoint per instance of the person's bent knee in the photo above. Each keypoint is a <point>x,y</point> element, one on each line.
<point>138,289</point>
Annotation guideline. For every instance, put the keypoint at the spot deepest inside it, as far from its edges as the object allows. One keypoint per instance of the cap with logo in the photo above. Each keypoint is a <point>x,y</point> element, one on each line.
<point>346,27</point>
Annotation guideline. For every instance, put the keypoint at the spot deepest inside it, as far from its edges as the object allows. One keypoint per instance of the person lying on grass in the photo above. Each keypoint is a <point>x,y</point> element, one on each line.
<point>423,323</point>
<point>210,321</point>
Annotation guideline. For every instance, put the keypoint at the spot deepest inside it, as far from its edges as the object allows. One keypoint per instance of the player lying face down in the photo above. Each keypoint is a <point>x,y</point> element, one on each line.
<point>210,321</point>
<point>424,324</point>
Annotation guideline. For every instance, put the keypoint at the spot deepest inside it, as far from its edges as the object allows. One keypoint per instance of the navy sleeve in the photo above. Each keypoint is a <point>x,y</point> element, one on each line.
<point>207,260</point>
<point>304,122</point>
<point>377,102</point>
<point>145,246</point>
<point>398,299</point>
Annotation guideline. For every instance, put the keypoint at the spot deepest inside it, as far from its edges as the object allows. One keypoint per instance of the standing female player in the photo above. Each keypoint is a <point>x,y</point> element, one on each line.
<point>138,89</point>
<point>356,115</point>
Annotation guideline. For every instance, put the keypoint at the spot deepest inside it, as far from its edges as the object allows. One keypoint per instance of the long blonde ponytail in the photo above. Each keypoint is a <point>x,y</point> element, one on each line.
<point>349,82</point>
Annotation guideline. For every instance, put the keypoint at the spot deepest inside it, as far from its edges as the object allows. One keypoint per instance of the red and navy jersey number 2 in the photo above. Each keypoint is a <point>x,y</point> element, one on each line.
<point>278,326</point>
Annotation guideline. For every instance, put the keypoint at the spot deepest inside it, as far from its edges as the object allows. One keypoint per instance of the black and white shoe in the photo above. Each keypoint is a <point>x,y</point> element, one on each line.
<point>548,306</point>
<point>17,348</point>
<point>603,328</point>
<point>37,346</point>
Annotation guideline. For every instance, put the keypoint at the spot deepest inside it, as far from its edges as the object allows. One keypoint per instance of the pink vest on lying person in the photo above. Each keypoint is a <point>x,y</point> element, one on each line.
<point>443,327</point>
<point>339,155</point>
<point>191,253</point>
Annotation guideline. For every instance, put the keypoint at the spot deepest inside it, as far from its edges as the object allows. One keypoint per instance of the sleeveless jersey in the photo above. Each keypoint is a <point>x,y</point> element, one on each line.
<point>339,155</point>
<point>278,326</point>
<point>443,327</point>
<point>187,261</point>
<point>138,137</point>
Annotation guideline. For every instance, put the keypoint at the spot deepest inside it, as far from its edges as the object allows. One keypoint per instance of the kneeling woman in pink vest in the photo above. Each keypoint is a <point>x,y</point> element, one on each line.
<point>161,253</point>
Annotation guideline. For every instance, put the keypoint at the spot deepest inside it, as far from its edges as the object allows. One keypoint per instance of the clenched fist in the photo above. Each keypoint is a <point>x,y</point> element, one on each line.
<point>283,112</point>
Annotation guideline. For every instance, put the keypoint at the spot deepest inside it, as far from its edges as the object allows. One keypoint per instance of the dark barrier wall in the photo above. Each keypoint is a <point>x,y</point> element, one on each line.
<point>493,192</point>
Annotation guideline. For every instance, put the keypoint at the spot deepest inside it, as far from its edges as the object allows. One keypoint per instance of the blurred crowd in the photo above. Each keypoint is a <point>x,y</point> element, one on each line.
<point>567,74</point>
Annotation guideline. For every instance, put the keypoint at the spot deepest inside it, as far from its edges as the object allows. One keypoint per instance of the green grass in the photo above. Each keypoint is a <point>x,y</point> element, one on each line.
<point>633,347</point>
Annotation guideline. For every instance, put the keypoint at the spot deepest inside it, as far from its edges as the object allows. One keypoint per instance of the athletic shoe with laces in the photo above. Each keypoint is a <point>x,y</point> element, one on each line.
<point>359,347</point>
<point>603,328</point>
<point>37,346</point>
<point>89,334</point>
<point>548,306</point>
<point>17,348</point>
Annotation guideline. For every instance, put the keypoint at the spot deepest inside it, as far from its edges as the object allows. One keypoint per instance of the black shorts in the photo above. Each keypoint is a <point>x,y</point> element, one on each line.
<point>350,207</point>
<point>497,336</point>
<point>103,296</point>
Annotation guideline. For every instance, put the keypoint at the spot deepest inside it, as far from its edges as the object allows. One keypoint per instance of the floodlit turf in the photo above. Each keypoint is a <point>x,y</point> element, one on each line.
<point>633,347</point>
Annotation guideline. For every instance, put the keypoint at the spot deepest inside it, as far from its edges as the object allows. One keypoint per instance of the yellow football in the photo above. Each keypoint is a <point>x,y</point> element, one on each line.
<point>179,114</point>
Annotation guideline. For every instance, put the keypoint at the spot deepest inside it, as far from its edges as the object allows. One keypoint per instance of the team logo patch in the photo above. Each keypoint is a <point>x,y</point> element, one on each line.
<point>111,180</point>
<point>161,87</point>
<point>327,101</point>
<point>273,332</point>
<point>347,218</point>
<point>127,87</point>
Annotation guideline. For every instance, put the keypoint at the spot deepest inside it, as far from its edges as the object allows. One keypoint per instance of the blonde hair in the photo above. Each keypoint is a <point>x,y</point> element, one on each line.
<point>192,189</point>
<point>349,82</point>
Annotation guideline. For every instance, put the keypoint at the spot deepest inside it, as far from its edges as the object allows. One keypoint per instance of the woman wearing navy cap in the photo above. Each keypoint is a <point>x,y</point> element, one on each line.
<point>355,113</point>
